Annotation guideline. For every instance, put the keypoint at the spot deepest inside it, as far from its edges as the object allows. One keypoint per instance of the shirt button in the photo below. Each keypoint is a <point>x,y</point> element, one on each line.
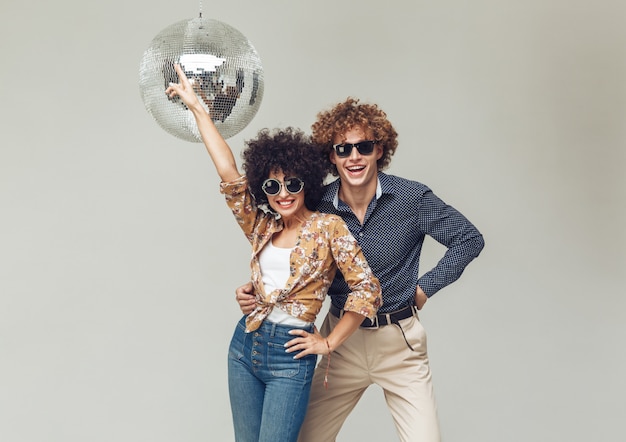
<point>361,234</point>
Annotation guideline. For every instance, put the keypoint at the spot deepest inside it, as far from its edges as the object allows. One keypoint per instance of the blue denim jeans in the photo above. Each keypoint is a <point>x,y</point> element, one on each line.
<point>269,390</point>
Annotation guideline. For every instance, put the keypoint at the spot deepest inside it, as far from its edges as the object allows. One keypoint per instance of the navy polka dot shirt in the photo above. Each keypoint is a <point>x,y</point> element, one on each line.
<point>395,226</point>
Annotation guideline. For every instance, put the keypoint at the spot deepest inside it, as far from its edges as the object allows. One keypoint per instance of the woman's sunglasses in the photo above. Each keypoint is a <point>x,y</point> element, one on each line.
<point>272,186</point>
<point>364,148</point>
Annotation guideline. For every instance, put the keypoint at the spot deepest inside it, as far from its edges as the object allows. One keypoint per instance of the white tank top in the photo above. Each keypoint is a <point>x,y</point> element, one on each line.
<point>274,262</point>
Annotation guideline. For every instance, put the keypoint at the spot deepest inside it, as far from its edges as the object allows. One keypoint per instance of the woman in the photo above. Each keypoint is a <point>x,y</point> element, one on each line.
<point>296,252</point>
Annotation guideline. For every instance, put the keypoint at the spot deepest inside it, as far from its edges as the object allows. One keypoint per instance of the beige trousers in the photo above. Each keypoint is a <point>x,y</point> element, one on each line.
<point>375,356</point>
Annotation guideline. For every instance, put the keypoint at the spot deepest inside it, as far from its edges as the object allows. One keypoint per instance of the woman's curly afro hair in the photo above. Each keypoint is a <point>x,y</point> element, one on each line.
<point>288,150</point>
<point>348,115</point>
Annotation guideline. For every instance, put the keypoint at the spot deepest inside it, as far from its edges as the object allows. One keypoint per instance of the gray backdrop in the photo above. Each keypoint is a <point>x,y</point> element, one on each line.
<point>119,258</point>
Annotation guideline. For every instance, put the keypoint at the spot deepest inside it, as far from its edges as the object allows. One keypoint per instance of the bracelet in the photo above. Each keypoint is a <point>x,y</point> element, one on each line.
<point>327,365</point>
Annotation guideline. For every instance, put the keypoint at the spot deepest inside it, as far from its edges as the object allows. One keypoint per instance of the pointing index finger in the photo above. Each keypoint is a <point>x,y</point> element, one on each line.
<point>181,74</point>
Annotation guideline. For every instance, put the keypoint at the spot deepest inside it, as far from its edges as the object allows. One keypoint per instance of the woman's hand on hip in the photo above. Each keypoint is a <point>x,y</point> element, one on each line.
<point>306,343</point>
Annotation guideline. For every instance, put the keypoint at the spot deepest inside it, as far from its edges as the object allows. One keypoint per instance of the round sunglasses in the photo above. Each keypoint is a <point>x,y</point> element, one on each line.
<point>364,147</point>
<point>272,186</point>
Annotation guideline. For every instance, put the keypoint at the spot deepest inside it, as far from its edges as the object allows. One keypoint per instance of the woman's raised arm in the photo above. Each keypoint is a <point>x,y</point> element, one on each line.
<point>218,149</point>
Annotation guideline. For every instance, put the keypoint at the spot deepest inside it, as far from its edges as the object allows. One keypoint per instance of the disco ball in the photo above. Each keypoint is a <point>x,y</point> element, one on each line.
<point>221,64</point>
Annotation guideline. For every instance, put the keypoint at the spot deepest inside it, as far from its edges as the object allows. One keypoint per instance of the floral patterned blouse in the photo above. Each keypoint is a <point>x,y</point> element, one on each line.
<point>324,245</point>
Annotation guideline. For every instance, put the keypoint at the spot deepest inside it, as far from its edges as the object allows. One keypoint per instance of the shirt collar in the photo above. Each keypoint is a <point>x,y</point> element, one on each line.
<point>383,185</point>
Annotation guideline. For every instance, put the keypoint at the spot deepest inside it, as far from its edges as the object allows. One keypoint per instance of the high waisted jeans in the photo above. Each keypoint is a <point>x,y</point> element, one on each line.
<point>269,390</point>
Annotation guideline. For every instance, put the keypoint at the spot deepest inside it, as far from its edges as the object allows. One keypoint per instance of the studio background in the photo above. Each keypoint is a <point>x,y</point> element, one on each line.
<point>119,258</point>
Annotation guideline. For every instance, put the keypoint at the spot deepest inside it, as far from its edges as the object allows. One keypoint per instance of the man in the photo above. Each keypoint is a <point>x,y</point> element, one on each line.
<point>390,217</point>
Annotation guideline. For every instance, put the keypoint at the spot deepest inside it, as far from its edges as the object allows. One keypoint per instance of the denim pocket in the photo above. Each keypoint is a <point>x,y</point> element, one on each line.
<point>280,363</point>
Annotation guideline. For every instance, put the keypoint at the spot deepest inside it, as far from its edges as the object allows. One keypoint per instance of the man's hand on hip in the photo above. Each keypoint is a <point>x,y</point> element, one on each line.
<point>420,298</point>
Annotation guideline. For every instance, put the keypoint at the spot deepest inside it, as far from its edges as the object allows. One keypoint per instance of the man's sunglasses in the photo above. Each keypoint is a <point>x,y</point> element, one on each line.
<point>272,186</point>
<point>364,148</point>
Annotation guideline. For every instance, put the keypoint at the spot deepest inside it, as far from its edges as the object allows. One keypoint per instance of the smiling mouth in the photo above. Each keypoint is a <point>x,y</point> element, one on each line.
<point>284,203</point>
<point>355,168</point>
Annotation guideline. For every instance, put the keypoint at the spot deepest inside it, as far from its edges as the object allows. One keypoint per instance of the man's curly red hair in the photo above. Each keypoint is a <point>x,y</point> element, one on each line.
<point>349,115</point>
